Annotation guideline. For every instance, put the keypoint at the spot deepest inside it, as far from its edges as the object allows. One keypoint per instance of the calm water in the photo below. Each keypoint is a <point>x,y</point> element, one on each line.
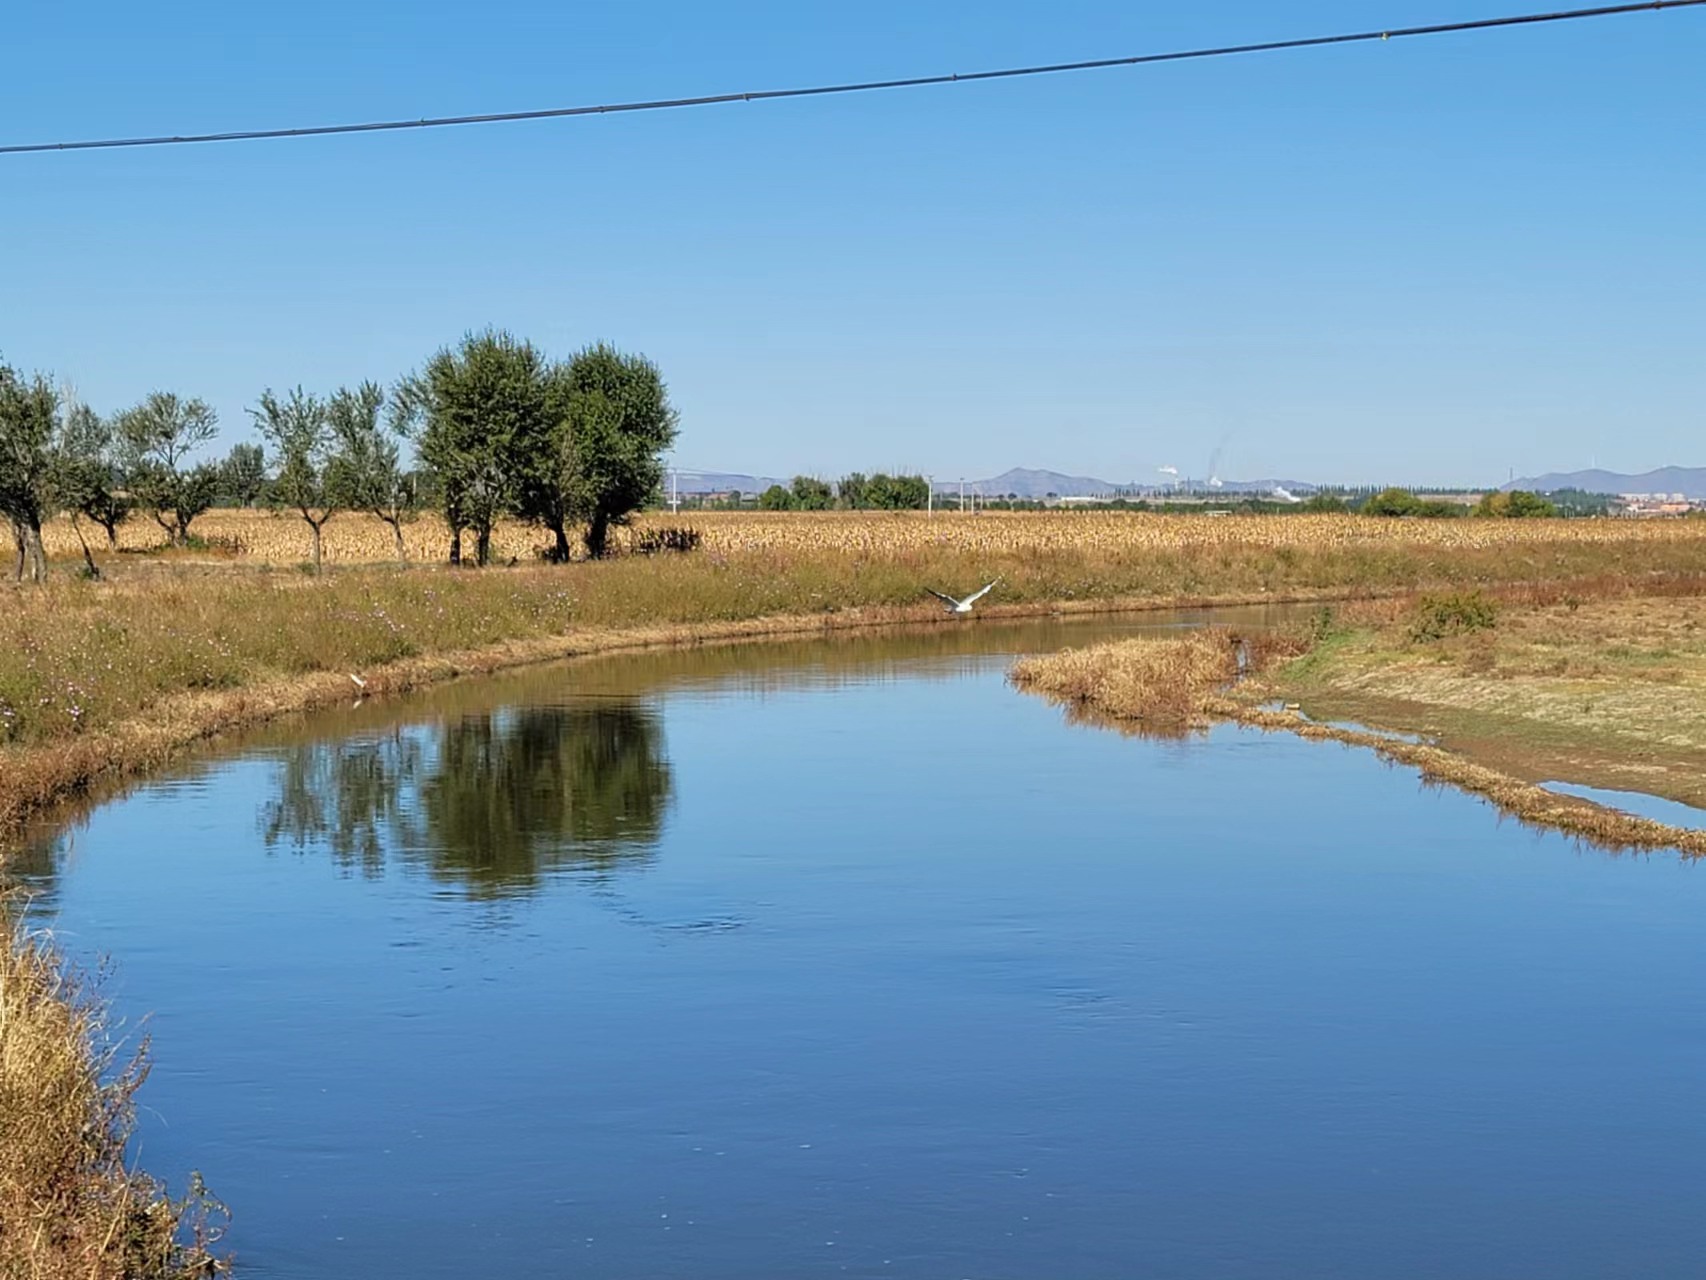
<point>845,959</point>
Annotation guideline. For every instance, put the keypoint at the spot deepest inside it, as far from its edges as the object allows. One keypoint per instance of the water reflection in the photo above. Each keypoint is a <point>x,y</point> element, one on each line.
<point>489,802</point>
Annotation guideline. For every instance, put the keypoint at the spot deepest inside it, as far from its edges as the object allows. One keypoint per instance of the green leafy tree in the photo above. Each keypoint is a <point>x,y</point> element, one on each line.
<point>1392,502</point>
<point>1518,504</point>
<point>1323,502</point>
<point>547,461</point>
<point>373,470</point>
<point>621,423</point>
<point>243,474</point>
<point>776,498</point>
<point>310,474</point>
<point>812,494</point>
<point>475,414</point>
<point>157,438</point>
<point>897,493</point>
<point>29,476</point>
<point>851,490</point>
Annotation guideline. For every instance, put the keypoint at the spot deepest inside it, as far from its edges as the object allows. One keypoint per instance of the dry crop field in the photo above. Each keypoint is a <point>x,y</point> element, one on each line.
<point>260,537</point>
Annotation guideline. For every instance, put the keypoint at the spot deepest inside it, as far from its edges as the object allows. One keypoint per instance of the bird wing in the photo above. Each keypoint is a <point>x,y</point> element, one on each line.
<point>944,599</point>
<point>972,599</point>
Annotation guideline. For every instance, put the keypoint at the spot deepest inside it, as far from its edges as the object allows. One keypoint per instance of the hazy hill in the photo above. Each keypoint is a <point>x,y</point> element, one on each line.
<point>1032,484</point>
<point>1690,481</point>
<point>721,482</point>
<point>1026,482</point>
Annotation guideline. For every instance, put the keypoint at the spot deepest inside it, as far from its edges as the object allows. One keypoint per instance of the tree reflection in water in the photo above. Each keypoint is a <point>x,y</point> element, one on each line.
<point>489,802</point>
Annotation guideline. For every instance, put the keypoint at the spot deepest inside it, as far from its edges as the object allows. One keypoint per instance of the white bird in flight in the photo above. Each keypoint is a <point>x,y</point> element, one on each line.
<point>961,606</point>
<point>358,681</point>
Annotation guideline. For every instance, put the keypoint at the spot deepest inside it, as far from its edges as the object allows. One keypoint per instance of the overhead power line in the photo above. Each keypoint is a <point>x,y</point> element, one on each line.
<point>869,86</point>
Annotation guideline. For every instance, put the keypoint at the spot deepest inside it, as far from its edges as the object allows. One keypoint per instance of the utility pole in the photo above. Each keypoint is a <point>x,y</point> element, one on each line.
<point>930,495</point>
<point>675,491</point>
<point>962,495</point>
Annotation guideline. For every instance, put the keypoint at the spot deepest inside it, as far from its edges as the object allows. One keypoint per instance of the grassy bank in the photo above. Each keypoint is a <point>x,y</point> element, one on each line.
<point>1605,687</point>
<point>1507,688</point>
<point>70,1209</point>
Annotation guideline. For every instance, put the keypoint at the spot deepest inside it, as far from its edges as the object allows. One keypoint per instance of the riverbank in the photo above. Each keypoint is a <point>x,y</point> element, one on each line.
<point>71,1208</point>
<point>1494,693</point>
<point>113,678</point>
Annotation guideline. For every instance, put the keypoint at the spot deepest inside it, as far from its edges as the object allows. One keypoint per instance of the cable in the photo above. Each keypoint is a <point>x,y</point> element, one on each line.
<point>819,91</point>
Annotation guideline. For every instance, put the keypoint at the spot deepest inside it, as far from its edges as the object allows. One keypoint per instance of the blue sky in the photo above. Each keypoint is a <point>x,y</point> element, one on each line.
<point>1428,261</point>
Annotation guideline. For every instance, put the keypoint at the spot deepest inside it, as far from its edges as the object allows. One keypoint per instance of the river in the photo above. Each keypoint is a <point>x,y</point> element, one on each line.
<point>845,959</point>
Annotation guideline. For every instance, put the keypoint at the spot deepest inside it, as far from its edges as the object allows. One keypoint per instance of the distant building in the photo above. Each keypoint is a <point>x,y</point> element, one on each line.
<point>1648,505</point>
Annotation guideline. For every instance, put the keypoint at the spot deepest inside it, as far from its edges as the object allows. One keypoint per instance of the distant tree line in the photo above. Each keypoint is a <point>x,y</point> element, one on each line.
<point>499,431</point>
<point>855,492</point>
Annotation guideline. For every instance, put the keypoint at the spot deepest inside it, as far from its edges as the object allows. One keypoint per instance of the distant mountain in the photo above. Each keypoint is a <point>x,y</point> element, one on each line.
<point>1027,483</point>
<point>1688,481</point>
<point>1033,484</point>
<point>720,482</point>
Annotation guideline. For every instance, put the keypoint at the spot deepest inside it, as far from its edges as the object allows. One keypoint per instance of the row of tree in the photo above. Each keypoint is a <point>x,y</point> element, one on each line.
<point>855,492</point>
<point>1516,504</point>
<point>498,429</point>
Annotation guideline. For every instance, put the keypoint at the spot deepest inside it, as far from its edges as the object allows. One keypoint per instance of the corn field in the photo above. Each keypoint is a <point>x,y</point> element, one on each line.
<point>260,537</point>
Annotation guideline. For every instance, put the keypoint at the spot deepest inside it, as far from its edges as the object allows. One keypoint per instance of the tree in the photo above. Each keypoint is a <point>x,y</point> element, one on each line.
<point>244,473</point>
<point>1518,504</point>
<point>29,414</point>
<point>897,493</point>
<point>473,412</point>
<point>812,494</point>
<point>157,438</point>
<point>91,481</point>
<point>1323,502</point>
<point>373,470</point>
<point>851,490</point>
<point>546,458</point>
<point>776,498</point>
<point>311,476</point>
<point>621,422</point>
<point>1392,502</point>
<point>1401,502</point>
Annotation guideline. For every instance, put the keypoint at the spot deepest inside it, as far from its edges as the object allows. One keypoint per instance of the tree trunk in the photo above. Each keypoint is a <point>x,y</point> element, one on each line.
<point>315,544</point>
<point>483,545</point>
<point>598,534</point>
<point>18,539</point>
<point>455,545</point>
<point>35,552</point>
<point>396,524</point>
<point>560,552</point>
<point>88,556</point>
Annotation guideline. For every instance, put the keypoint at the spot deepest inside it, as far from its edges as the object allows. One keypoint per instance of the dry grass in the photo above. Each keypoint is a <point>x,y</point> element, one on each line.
<point>1166,684</point>
<point>69,1208</point>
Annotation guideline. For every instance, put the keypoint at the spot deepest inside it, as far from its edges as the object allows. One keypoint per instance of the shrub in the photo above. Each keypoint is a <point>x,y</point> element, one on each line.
<point>1518,504</point>
<point>1457,614</point>
<point>648,542</point>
